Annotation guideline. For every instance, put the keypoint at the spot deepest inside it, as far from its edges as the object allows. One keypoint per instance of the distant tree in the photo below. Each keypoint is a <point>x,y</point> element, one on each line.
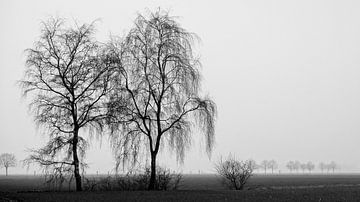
<point>322,166</point>
<point>333,165</point>
<point>303,167</point>
<point>310,166</point>
<point>235,173</point>
<point>273,165</point>
<point>290,165</point>
<point>253,164</point>
<point>157,96</point>
<point>265,164</point>
<point>297,166</point>
<point>7,160</point>
<point>68,79</point>
<point>328,168</point>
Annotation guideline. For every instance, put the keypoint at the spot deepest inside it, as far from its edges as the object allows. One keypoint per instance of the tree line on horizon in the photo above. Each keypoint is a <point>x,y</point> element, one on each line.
<point>9,160</point>
<point>296,166</point>
<point>236,173</point>
<point>292,166</point>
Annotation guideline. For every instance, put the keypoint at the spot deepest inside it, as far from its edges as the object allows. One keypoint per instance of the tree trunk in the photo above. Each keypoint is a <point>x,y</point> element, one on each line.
<point>6,168</point>
<point>153,172</point>
<point>76,161</point>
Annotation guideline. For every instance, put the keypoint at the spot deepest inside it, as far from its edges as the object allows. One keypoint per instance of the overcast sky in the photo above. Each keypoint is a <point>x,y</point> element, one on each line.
<point>284,74</point>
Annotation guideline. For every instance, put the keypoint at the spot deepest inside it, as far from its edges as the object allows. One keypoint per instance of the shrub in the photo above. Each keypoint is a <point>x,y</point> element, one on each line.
<point>235,173</point>
<point>165,180</point>
<point>90,184</point>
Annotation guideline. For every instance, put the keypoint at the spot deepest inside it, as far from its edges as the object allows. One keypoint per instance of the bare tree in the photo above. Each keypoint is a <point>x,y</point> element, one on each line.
<point>303,167</point>
<point>273,165</point>
<point>333,165</point>
<point>7,160</point>
<point>310,166</point>
<point>253,164</point>
<point>68,80</point>
<point>157,97</point>
<point>327,166</point>
<point>297,166</point>
<point>265,164</point>
<point>290,165</point>
<point>235,173</point>
<point>322,166</point>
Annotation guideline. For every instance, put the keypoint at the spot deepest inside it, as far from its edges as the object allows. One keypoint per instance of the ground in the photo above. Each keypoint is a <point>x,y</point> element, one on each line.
<point>200,188</point>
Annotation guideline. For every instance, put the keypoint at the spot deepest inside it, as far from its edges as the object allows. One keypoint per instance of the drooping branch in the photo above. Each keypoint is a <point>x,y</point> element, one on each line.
<point>157,88</point>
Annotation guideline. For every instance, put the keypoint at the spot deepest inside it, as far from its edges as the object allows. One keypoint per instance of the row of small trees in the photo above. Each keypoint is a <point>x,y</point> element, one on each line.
<point>295,166</point>
<point>328,166</point>
<point>268,164</point>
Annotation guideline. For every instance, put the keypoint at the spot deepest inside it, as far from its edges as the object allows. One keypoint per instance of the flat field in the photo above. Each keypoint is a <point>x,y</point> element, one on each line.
<point>199,188</point>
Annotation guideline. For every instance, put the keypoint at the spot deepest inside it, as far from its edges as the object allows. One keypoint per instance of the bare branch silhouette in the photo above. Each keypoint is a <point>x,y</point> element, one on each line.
<point>157,97</point>
<point>68,81</point>
<point>7,160</point>
<point>235,173</point>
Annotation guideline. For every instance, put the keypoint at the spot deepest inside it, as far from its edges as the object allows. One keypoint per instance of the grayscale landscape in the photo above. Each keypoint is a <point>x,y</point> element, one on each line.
<point>180,100</point>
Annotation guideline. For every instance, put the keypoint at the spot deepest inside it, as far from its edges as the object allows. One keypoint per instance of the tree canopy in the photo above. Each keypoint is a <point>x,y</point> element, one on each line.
<point>7,160</point>
<point>68,79</point>
<point>157,90</point>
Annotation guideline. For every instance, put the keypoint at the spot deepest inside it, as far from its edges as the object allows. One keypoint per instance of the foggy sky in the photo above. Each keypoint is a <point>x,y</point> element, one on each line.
<point>284,74</point>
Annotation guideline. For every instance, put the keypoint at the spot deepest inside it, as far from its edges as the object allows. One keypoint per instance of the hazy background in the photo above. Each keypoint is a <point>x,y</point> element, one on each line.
<point>285,76</point>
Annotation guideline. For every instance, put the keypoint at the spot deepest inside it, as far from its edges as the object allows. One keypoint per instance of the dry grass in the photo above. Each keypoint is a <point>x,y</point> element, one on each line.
<point>203,188</point>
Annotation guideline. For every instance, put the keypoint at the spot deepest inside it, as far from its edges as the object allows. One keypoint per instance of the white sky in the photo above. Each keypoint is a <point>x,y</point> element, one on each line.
<point>285,75</point>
